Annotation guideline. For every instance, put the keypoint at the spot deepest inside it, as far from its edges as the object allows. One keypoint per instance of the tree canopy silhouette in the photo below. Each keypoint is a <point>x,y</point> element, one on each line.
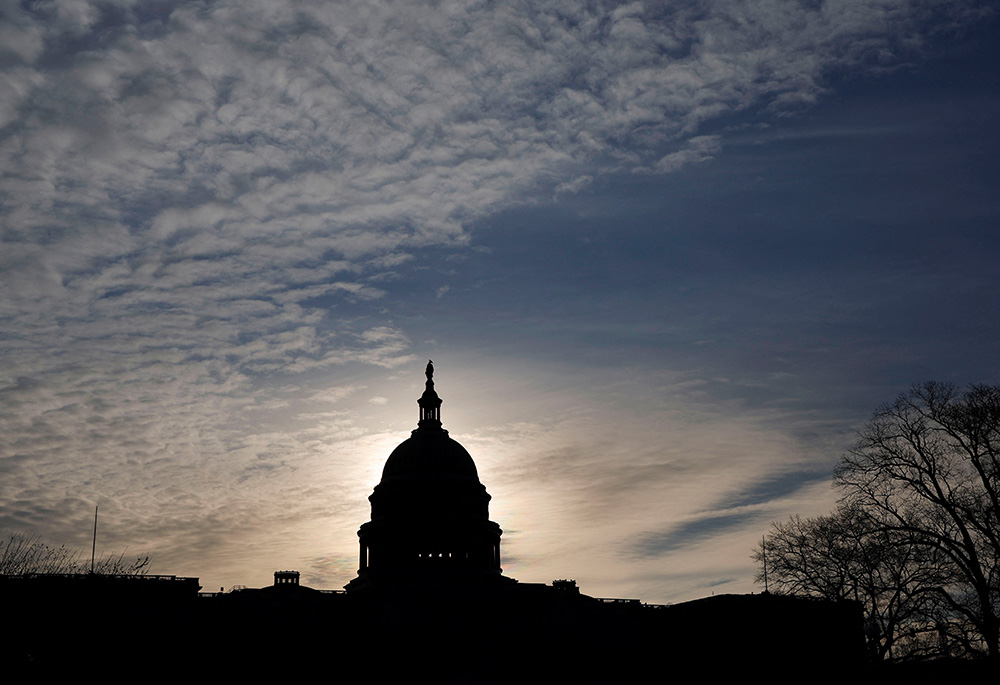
<point>847,556</point>
<point>917,535</point>
<point>927,467</point>
<point>22,554</point>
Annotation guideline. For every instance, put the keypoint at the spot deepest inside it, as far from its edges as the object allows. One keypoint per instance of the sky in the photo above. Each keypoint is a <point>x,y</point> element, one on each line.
<point>667,258</point>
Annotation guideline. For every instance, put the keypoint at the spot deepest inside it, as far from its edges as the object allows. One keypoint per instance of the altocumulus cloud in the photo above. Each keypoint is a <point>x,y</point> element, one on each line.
<point>203,203</point>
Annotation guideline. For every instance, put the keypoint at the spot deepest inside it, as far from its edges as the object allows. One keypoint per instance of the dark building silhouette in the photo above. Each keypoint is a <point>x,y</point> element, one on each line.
<point>286,578</point>
<point>429,603</point>
<point>430,514</point>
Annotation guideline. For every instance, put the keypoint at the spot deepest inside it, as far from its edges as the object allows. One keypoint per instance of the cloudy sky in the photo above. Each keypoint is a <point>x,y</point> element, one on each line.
<point>666,256</point>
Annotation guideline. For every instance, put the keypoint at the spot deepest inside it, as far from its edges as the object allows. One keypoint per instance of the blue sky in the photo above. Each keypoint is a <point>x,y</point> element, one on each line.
<point>667,258</point>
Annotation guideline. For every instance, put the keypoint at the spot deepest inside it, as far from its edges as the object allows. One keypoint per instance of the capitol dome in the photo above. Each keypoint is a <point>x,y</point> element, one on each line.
<point>429,454</point>
<point>430,514</point>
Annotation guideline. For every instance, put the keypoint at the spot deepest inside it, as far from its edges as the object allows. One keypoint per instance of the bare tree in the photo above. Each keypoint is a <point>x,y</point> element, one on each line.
<point>21,554</point>
<point>926,469</point>
<point>846,556</point>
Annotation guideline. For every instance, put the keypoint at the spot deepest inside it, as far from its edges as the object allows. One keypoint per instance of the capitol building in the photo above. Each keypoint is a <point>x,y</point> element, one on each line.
<point>430,603</point>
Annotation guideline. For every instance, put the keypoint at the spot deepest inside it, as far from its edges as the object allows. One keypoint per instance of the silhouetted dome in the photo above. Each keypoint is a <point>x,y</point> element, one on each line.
<point>430,514</point>
<point>429,452</point>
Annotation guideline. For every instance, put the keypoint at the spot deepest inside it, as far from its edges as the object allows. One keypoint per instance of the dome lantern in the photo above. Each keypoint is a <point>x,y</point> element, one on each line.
<point>430,403</point>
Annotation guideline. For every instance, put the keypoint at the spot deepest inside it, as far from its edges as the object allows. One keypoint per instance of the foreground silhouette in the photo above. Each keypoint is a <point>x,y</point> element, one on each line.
<point>430,603</point>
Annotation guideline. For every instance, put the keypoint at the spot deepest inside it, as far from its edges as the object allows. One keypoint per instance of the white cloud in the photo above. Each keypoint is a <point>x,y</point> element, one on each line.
<point>698,149</point>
